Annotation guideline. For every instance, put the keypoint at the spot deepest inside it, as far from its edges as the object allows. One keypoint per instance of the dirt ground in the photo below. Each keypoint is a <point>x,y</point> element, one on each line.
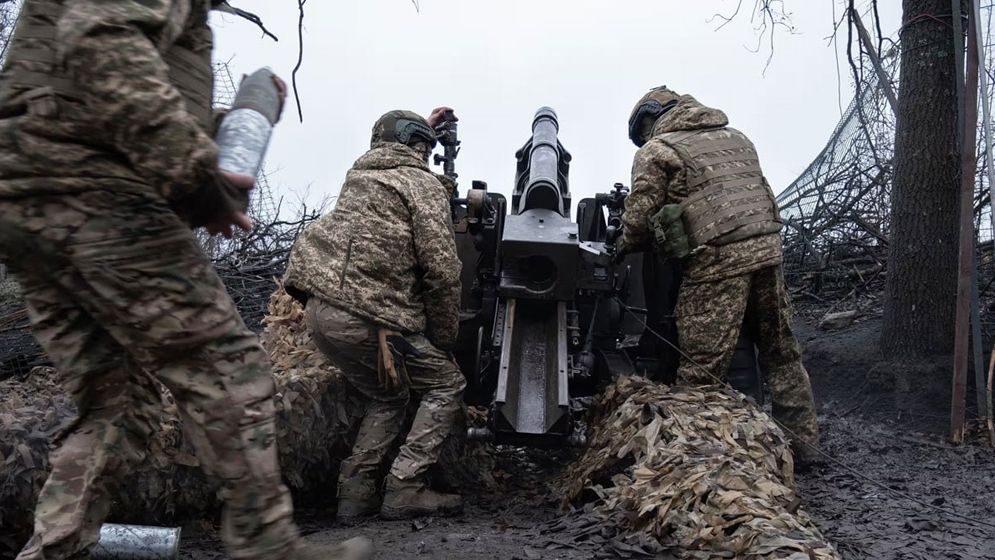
<point>886,434</point>
<point>513,522</point>
<point>889,421</point>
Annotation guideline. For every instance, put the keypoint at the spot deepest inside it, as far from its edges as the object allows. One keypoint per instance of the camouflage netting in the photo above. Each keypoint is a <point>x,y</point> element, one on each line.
<point>316,415</point>
<point>698,473</point>
<point>30,414</point>
<point>316,407</point>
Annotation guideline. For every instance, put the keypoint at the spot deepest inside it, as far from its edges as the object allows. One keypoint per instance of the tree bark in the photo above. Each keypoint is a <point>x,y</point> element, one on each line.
<point>919,312</point>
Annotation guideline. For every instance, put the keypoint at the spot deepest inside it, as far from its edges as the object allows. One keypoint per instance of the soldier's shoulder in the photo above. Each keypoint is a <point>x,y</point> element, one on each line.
<point>657,152</point>
<point>418,176</point>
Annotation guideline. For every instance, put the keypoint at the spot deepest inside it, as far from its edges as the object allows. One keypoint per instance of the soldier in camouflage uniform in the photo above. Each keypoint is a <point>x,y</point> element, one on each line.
<point>380,276</point>
<point>105,113</point>
<point>692,166</point>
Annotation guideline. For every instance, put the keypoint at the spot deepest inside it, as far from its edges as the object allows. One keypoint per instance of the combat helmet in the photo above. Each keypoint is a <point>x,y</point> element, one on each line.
<point>651,106</point>
<point>403,127</point>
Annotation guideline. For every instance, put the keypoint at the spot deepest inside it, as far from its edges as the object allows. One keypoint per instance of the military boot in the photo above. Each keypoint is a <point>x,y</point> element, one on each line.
<point>359,548</point>
<point>357,499</point>
<point>405,499</point>
<point>806,457</point>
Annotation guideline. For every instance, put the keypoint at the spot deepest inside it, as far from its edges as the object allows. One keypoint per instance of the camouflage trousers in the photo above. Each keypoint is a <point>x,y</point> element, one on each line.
<point>351,344</point>
<point>119,292</point>
<point>709,317</point>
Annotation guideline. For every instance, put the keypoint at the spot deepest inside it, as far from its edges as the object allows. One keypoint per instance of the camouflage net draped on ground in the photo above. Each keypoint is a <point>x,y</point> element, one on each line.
<point>699,473</point>
<point>317,412</point>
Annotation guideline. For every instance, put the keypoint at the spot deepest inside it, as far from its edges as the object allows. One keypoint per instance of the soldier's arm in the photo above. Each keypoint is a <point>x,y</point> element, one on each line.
<point>112,49</point>
<point>435,249</point>
<point>654,168</point>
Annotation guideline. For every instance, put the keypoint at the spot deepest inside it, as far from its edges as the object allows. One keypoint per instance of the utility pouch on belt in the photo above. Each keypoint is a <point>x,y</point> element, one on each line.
<point>391,348</point>
<point>668,231</point>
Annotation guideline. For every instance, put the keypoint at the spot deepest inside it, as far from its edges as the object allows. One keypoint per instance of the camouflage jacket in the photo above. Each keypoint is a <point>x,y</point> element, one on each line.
<point>116,110</point>
<point>659,177</point>
<point>386,252</point>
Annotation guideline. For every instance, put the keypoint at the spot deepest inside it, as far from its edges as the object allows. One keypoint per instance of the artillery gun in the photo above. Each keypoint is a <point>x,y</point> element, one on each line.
<point>546,315</point>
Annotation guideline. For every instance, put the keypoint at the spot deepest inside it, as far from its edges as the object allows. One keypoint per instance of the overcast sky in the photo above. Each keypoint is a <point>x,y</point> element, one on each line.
<point>497,61</point>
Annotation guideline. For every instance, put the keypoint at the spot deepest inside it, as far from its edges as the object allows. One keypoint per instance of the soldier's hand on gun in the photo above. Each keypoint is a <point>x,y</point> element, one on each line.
<point>437,116</point>
<point>225,225</point>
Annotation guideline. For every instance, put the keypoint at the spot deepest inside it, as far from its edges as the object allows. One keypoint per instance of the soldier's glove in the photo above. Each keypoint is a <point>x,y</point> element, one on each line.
<point>213,200</point>
<point>622,248</point>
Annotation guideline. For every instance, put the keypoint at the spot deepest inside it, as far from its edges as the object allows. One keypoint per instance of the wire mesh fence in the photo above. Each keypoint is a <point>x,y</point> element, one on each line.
<point>837,211</point>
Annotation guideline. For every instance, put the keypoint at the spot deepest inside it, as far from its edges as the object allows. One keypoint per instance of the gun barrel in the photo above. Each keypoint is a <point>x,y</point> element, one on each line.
<point>544,160</point>
<point>542,168</point>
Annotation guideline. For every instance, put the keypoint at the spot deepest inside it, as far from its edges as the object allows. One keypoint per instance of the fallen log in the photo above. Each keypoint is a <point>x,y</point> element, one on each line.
<point>696,473</point>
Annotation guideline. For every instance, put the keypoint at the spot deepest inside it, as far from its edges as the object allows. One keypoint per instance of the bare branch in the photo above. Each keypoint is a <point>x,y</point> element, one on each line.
<point>727,19</point>
<point>248,16</point>
<point>767,18</point>
<point>300,57</point>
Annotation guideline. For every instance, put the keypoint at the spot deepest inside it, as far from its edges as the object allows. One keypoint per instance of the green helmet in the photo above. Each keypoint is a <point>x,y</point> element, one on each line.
<point>403,127</point>
<point>651,106</point>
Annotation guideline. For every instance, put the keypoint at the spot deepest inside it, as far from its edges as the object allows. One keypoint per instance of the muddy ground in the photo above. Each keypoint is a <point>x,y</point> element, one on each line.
<point>889,421</point>
<point>896,437</point>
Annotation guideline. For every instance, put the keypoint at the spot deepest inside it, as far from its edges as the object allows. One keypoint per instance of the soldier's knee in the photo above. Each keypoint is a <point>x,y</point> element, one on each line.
<point>454,385</point>
<point>187,331</point>
<point>446,394</point>
<point>394,398</point>
<point>230,347</point>
<point>459,381</point>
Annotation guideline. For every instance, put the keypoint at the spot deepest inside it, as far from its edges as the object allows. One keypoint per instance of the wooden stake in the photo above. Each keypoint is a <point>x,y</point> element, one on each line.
<point>968,147</point>
<point>873,54</point>
<point>991,423</point>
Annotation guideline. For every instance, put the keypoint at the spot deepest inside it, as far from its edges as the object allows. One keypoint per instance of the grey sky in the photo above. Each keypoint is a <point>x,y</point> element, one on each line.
<point>497,61</point>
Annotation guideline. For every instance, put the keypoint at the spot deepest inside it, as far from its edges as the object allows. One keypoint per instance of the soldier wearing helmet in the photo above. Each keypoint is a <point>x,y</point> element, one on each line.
<point>105,141</point>
<point>699,197</point>
<point>381,281</point>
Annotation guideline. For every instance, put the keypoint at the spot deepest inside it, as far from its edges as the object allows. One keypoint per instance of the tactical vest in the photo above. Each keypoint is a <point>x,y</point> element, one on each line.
<point>31,63</point>
<point>728,197</point>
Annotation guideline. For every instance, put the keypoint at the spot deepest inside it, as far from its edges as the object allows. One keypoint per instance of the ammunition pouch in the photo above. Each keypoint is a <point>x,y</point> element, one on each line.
<point>668,232</point>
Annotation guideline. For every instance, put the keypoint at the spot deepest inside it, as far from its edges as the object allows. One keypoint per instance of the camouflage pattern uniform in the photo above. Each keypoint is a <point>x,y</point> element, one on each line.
<point>98,147</point>
<point>723,283</point>
<point>385,257</point>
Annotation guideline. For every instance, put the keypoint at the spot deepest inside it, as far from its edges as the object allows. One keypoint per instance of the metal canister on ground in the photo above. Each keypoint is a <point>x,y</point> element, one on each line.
<point>244,133</point>
<point>137,542</point>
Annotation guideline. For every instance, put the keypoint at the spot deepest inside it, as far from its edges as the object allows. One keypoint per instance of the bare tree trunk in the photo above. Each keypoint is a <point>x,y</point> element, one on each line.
<point>922,267</point>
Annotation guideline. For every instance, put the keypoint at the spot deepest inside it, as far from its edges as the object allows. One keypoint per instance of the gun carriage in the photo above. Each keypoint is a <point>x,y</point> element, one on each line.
<point>546,315</point>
